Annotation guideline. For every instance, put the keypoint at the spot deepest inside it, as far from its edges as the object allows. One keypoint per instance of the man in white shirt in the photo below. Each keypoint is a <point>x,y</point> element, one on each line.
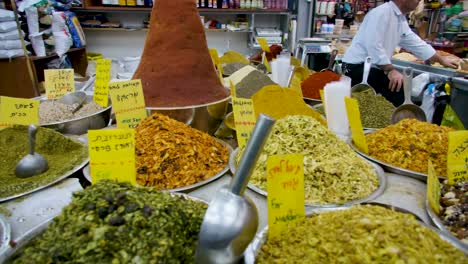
<point>383,29</point>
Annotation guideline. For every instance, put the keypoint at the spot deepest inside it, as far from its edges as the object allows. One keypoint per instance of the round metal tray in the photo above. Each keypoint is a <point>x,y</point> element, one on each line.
<point>22,241</point>
<point>379,191</point>
<point>5,234</point>
<point>391,168</point>
<point>64,176</point>
<point>87,173</point>
<point>438,223</point>
<point>261,237</point>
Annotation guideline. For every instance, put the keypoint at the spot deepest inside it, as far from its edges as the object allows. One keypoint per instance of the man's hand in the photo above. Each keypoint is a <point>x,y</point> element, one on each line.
<point>396,80</point>
<point>449,62</point>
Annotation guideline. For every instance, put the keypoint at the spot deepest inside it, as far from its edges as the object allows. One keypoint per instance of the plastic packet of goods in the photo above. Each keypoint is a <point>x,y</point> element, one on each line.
<point>32,18</point>
<point>11,44</point>
<point>8,54</point>
<point>63,41</point>
<point>7,26</point>
<point>12,35</point>
<point>38,44</point>
<point>6,15</point>
<point>76,31</point>
<point>419,82</point>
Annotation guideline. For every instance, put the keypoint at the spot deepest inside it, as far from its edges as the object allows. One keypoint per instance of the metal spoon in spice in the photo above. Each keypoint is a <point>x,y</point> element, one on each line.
<point>33,163</point>
<point>365,75</point>
<point>75,99</point>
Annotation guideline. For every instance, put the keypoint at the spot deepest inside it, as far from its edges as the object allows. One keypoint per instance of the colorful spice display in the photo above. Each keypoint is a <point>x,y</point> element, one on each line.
<point>170,154</point>
<point>362,234</point>
<point>252,83</point>
<point>183,73</point>
<point>454,209</point>
<point>333,172</point>
<point>275,50</point>
<point>62,154</point>
<point>112,222</point>
<point>315,82</point>
<point>53,111</point>
<point>409,144</point>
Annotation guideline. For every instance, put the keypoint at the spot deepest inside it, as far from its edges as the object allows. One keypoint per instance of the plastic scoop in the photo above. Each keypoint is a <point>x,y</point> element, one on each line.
<point>33,163</point>
<point>363,86</point>
<point>331,62</point>
<point>231,221</point>
<point>408,109</point>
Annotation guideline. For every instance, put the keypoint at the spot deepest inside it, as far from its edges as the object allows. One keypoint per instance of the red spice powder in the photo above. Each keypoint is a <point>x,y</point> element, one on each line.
<point>315,82</point>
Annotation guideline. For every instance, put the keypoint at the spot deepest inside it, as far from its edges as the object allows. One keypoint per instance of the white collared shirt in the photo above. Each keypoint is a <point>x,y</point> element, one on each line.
<point>383,29</point>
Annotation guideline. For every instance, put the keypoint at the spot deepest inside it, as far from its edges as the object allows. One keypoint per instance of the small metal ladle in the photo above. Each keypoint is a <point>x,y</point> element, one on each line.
<point>33,163</point>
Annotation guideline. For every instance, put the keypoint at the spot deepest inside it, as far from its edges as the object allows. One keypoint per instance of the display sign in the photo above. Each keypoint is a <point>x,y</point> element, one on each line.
<point>18,111</point>
<point>101,86</point>
<point>59,82</point>
<point>112,155</point>
<point>457,157</point>
<point>215,57</point>
<point>263,44</point>
<point>285,186</point>
<point>433,188</point>
<point>354,117</point>
<point>128,103</point>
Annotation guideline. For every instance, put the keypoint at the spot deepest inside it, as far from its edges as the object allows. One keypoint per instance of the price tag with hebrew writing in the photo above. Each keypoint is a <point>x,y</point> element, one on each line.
<point>59,82</point>
<point>457,157</point>
<point>244,119</point>
<point>128,103</point>
<point>285,185</point>
<point>354,117</point>
<point>101,86</point>
<point>18,111</point>
<point>112,155</point>
<point>433,188</point>
<point>263,44</point>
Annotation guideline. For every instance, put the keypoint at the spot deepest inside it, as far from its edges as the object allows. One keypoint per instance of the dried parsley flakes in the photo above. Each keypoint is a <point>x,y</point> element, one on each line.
<point>112,222</point>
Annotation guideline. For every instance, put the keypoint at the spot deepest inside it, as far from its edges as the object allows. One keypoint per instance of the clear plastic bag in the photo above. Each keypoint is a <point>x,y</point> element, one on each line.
<point>428,101</point>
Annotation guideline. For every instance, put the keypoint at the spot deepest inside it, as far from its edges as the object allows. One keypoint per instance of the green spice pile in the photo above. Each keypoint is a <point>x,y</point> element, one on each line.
<point>62,154</point>
<point>112,222</point>
<point>333,172</point>
<point>375,110</point>
<point>362,234</point>
<point>231,68</point>
<point>252,83</point>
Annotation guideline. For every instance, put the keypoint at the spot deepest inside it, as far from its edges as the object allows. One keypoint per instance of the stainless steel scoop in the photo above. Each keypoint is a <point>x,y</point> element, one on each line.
<point>73,98</point>
<point>365,75</point>
<point>408,109</point>
<point>33,163</point>
<point>231,221</point>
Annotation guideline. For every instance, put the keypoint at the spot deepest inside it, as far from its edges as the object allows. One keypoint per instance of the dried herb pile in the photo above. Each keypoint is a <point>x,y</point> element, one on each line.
<point>62,154</point>
<point>112,222</point>
<point>362,234</point>
<point>170,154</point>
<point>454,209</point>
<point>409,144</point>
<point>333,172</point>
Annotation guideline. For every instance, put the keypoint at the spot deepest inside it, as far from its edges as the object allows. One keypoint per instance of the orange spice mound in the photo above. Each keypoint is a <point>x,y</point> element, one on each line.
<point>315,82</point>
<point>176,69</point>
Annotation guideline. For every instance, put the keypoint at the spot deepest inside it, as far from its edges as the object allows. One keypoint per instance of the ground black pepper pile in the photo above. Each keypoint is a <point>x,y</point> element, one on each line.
<point>112,222</point>
<point>252,83</point>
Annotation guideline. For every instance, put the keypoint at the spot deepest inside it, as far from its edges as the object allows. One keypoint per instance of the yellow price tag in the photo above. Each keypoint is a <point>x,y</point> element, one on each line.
<point>128,103</point>
<point>233,89</point>
<point>244,119</point>
<point>263,44</point>
<point>101,87</point>
<point>433,188</point>
<point>18,111</point>
<point>322,97</point>
<point>457,157</point>
<point>354,117</point>
<point>59,82</point>
<point>265,61</point>
<point>112,155</point>
<point>285,186</point>
<point>215,58</point>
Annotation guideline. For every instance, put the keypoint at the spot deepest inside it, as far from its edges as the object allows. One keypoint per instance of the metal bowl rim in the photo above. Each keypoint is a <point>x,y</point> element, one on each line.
<point>260,238</point>
<point>5,234</point>
<point>375,194</point>
<point>87,174</point>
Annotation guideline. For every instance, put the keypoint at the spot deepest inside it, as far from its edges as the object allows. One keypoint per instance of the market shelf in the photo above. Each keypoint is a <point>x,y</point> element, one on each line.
<point>200,10</point>
<point>146,29</point>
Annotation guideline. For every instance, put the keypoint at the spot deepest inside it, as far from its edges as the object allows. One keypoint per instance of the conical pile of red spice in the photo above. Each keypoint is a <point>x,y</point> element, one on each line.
<point>176,69</point>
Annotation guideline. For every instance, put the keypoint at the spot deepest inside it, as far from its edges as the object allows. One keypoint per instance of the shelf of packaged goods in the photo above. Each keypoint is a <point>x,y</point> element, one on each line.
<point>146,29</point>
<point>200,10</point>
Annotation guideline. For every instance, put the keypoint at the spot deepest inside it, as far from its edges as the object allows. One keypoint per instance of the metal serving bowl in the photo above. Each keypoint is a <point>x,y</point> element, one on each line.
<point>80,126</point>
<point>206,117</point>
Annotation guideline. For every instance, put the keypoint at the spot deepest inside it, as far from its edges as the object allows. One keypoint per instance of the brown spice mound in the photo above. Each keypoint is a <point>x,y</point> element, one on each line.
<point>170,154</point>
<point>176,68</point>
